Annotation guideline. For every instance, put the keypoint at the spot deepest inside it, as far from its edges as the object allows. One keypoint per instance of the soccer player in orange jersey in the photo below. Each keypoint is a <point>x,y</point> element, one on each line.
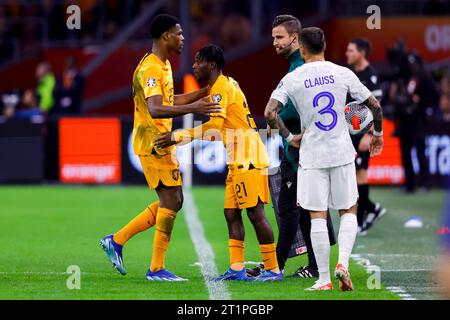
<point>154,106</point>
<point>247,182</point>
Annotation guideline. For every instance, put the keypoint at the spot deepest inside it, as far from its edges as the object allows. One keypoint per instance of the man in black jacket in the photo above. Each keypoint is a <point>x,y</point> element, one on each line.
<point>357,52</point>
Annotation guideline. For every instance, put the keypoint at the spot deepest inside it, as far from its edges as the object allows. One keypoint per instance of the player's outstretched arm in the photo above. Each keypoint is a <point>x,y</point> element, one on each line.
<point>275,122</point>
<point>210,130</point>
<point>376,143</point>
<point>186,98</point>
<point>202,107</point>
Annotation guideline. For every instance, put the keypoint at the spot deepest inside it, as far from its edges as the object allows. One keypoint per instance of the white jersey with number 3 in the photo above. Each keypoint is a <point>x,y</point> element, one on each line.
<point>318,91</point>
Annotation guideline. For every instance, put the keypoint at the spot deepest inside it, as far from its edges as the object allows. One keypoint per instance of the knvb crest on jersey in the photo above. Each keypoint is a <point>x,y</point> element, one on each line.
<point>217,98</point>
<point>151,82</point>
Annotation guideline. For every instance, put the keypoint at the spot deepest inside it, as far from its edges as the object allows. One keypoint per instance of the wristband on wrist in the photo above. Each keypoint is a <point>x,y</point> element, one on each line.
<point>289,137</point>
<point>378,134</point>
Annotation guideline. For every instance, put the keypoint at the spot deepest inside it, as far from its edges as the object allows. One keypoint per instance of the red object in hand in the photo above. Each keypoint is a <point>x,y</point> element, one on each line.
<point>356,123</point>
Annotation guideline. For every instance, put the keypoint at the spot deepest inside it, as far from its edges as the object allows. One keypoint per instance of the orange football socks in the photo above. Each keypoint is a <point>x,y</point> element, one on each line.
<point>236,248</point>
<point>164,224</point>
<point>142,222</point>
<point>269,255</point>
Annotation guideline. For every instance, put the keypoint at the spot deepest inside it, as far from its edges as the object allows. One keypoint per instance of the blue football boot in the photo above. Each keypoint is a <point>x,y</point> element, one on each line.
<point>114,253</point>
<point>162,275</point>
<point>231,274</point>
<point>269,276</point>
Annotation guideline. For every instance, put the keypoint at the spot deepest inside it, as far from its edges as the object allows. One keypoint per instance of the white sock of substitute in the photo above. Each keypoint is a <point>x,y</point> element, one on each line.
<point>346,238</point>
<point>321,247</point>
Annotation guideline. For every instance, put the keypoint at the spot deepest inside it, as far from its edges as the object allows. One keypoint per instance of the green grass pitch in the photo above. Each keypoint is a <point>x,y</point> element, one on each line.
<point>46,229</point>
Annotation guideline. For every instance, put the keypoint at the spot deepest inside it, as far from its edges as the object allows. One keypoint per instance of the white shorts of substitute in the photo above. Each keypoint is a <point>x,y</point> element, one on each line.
<point>320,189</point>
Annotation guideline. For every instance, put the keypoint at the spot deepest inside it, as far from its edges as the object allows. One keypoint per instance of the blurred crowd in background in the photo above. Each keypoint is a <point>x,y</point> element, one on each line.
<point>54,94</point>
<point>226,23</point>
<point>25,26</point>
<point>411,97</point>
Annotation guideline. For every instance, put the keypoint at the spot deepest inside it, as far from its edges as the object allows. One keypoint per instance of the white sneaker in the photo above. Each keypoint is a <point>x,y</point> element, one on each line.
<point>320,286</point>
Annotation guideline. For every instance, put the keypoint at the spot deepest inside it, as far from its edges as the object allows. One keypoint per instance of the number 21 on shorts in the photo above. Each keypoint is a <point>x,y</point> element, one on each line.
<point>239,189</point>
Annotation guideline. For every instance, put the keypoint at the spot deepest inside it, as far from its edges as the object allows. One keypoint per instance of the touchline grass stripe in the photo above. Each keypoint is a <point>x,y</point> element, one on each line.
<point>217,290</point>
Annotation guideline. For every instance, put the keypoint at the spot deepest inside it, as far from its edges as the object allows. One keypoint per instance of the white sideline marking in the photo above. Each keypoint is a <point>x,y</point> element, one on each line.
<point>407,270</point>
<point>396,255</point>
<point>401,292</point>
<point>217,290</point>
<point>396,290</point>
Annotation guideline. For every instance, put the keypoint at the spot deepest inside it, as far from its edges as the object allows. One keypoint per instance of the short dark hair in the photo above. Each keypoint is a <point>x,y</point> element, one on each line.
<point>362,44</point>
<point>313,40</point>
<point>212,53</point>
<point>162,23</point>
<point>291,23</point>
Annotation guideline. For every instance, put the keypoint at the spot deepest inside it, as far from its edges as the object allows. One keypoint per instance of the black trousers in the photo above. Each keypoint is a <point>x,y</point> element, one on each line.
<point>406,144</point>
<point>293,217</point>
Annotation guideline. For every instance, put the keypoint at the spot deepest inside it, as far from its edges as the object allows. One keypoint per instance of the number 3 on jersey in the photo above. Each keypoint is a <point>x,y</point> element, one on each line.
<point>328,109</point>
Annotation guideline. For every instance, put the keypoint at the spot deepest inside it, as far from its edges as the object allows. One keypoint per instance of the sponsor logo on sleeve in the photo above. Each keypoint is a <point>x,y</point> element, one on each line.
<point>280,85</point>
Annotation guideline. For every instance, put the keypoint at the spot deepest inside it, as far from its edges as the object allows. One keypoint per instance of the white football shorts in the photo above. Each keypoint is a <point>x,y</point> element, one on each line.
<point>334,188</point>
